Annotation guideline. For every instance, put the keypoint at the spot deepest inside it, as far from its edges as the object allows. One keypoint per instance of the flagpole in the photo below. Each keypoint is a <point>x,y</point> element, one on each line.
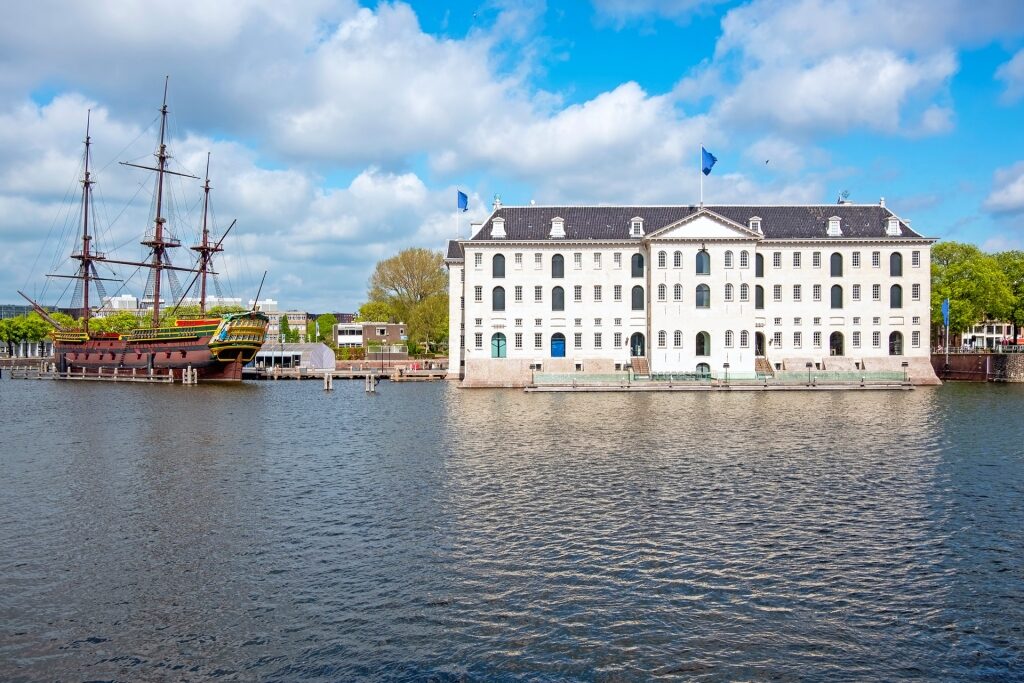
<point>700,171</point>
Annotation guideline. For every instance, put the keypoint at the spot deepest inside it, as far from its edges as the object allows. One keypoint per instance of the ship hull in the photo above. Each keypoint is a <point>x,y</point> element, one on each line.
<point>104,355</point>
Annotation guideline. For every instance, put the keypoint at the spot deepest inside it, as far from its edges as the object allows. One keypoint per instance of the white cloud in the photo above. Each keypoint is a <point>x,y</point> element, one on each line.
<point>621,12</point>
<point>1007,195</point>
<point>1012,74</point>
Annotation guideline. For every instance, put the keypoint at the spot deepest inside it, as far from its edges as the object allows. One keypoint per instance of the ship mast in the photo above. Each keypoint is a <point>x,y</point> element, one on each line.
<point>86,258</point>
<point>205,249</point>
<point>157,243</point>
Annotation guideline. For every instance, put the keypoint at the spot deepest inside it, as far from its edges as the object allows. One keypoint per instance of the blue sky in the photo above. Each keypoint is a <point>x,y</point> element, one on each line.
<point>340,131</point>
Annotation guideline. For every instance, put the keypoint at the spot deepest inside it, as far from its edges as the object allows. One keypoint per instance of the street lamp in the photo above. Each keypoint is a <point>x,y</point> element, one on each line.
<point>809,366</point>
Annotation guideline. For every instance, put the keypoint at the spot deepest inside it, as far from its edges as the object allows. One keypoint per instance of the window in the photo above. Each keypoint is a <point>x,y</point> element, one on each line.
<point>538,261</point>
<point>577,293</point>
<point>538,340</point>
<point>478,261</point>
<point>677,292</point>
<point>703,262</point>
<point>744,259</point>
<point>519,294</point>
<point>916,320</point>
<point>727,259</point>
<point>816,339</point>
<point>703,344</point>
<point>796,293</point>
<point>597,340</point>
<point>876,321</point>
<point>637,265</point>
<point>758,265</point>
<point>597,292</point>
<point>728,291</point>
<point>479,323</point>
<point>498,266</point>
<point>597,260</point>
<point>728,339</point>
<point>855,293</point>
<point>557,299</point>
<point>895,264</point>
<point>662,292</point>
<point>915,339</point>
<point>677,339</point>
<point>519,259</point>
<point>638,298</point>
<point>577,261</point>
<point>519,340</point>
<point>498,346</point>
<point>519,322</point>
<point>798,321</point>
<point>478,340</point>
<point>759,297</point>
<point>577,340</point>
<point>677,259</point>
<point>617,259</point>
<point>662,259</point>
<point>597,322</point>
<point>896,344</point>
<point>895,297</point>
<point>856,320</point>
<point>796,259</point>
<point>798,340</point>
<point>662,339</point>
<point>876,339</point>
<point>915,259</point>
<point>744,292</point>
<point>617,340</point>
<point>744,339</point>
<point>836,265</point>
<point>557,266</point>
<point>777,259</point>
<point>703,296</point>
<point>837,296</point>
<point>462,303</point>
<point>777,321</point>
<point>876,292</point>
<point>617,293</point>
<point>876,259</point>
<point>856,340</point>
<point>777,293</point>
<point>636,228</point>
<point>915,292</point>
<point>777,340</point>
<point>816,292</point>
<point>816,259</point>
<point>478,294</point>
<point>538,294</point>
<point>855,259</point>
<point>498,299</point>
<point>817,320</point>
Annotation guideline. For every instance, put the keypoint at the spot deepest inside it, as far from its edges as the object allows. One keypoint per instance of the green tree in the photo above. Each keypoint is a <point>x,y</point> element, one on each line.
<point>13,331</point>
<point>284,328</point>
<point>974,283</point>
<point>325,322</point>
<point>407,279</point>
<point>428,322</point>
<point>1012,264</point>
<point>376,312</point>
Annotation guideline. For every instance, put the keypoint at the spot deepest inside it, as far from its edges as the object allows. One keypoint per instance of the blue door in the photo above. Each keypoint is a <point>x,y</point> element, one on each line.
<point>558,346</point>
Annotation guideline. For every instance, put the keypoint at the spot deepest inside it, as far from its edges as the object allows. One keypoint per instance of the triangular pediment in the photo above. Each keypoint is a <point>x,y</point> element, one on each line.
<point>705,224</point>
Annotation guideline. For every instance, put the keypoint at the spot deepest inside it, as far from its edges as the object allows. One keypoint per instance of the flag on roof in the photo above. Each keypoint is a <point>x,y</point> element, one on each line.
<point>463,200</point>
<point>707,160</point>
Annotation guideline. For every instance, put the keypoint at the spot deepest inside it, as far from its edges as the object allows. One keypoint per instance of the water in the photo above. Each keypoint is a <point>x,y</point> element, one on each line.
<point>273,531</point>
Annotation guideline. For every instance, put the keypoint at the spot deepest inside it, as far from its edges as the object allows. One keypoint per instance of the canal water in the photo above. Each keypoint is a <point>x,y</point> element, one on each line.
<point>273,531</point>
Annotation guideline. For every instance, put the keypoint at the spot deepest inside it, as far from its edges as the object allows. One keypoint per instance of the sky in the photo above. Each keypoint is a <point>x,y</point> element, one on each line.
<point>339,131</point>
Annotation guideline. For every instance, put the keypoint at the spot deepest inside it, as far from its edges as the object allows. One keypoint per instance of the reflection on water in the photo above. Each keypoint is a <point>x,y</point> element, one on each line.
<point>275,531</point>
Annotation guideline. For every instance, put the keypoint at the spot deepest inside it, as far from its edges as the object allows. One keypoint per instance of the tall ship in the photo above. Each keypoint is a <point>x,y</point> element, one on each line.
<point>204,347</point>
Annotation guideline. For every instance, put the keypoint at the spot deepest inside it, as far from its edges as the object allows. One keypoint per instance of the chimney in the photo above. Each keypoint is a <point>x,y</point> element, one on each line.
<point>881,202</point>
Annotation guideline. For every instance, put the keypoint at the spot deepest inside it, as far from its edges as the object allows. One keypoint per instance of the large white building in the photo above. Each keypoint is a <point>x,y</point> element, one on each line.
<point>688,289</point>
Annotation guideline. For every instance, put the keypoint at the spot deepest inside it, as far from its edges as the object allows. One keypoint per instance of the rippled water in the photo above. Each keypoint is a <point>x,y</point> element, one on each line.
<point>276,532</point>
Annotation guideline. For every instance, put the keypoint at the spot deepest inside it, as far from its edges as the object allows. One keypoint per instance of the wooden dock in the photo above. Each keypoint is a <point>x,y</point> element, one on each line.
<point>391,374</point>
<point>104,375</point>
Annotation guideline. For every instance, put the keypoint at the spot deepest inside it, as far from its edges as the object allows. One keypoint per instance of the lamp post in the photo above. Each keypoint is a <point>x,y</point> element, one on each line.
<point>809,366</point>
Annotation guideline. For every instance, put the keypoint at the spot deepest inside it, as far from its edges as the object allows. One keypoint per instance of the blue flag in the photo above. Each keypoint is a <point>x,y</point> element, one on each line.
<point>707,160</point>
<point>463,201</point>
<point>945,312</point>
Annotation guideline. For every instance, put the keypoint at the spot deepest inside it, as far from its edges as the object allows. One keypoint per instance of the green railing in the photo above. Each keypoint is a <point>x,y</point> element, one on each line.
<point>780,378</point>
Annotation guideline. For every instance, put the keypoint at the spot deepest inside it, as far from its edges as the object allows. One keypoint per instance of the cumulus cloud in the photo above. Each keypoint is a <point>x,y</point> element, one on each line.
<point>1012,75</point>
<point>1007,195</point>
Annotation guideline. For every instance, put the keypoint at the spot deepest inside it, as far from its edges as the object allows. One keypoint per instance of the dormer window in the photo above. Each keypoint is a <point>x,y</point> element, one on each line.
<point>636,227</point>
<point>498,228</point>
<point>833,227</point>
<point>557,227</point>
<point>892,227</point>
<point>755,224</point>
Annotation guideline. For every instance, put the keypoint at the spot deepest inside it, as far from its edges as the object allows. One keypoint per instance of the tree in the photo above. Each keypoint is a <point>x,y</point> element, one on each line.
<point>977,288</point>
<point>284,328</point>
<point>13,331</point>
<point>428,322</point>
<point>407,279</point>
<point>325,322</point>
<point>1012,264</point>
<point>376,312</point>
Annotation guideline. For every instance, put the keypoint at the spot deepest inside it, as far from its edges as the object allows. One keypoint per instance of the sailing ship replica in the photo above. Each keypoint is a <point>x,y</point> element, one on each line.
<point>204,347</point>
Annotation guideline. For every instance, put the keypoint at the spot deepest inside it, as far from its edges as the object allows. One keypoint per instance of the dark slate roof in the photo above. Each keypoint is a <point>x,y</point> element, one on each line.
<point>865,221</point>
<point>454,252</point>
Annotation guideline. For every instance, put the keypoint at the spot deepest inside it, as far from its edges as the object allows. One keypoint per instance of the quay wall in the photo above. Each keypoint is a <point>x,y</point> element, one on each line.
<point>980,367</point>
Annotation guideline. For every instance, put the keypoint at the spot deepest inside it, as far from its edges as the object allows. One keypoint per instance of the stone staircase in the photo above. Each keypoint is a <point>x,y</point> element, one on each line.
<point>641,368</point>
<point>763,367</point>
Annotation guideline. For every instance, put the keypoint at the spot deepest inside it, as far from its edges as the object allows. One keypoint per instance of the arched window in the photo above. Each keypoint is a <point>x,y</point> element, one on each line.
<point>895,264</point>
<point>662,339</point>
<point>744,339</point>
<point>758,265</point>
<point>498,266</point>
<point>896,344</point>
<point>557,299</point>
<point>558,345</point>
<point>703,262</point>
<point>498,299</point>
<point>662,259</point>
<point>728,339</point>
<point>499,348</point>
<point>835,344</point>
<point>744,292</point>
<point>677,259</point>
<point>557,266</point>
<point>836,265</point>
<point>744,259</point>
<point>728,291</point>
<point>703,344</point>
<point>895,297</point>
<point>758,296</point>
<point>662,292</point>
<point>638,298</point>
<point>637,265</point>
<point>677,292</point>
<point>703,369</point>
<point>703,296</point>
<point>728,259</point>
<point>677,339</point>
<point>837,296</point>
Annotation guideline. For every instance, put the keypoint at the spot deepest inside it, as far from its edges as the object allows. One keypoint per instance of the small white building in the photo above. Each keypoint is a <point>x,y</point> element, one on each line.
<point>348,335</point>
<point>299,356</point>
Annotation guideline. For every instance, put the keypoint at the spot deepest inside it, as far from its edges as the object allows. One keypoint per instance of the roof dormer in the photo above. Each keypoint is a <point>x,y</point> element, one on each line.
<point>498,228</point>
<point>557,227</point>
<point>755,224</point>
<point>636,227</point>
<point>892,227</point>
<point>834,230</point>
